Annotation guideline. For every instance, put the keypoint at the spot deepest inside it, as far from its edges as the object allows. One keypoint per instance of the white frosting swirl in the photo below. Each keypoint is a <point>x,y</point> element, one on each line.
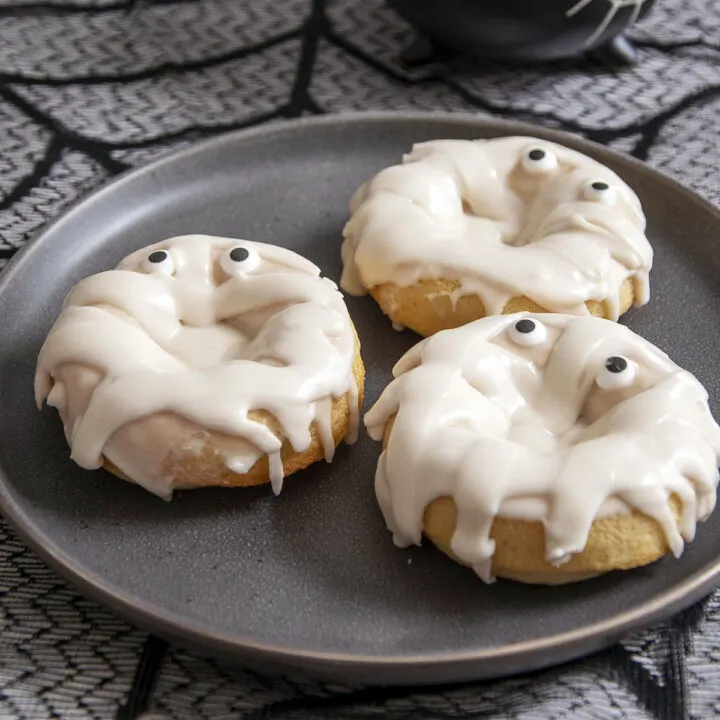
<point>504,218</point>
<point>536,431</point>
<point>209,329</point>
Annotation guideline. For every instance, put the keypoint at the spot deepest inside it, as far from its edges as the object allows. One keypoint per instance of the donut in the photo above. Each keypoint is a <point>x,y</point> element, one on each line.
<point>462,229</point>
<point>544,448</point>
<point>204,361</point>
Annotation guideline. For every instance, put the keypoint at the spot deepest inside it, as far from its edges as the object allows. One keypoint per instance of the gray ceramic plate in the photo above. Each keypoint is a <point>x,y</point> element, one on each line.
<point>311,580</point>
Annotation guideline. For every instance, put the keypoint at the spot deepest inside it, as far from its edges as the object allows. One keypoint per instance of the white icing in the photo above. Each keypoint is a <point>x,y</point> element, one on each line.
<point>528,432</point>
<point>482,213</point>
<point>204,337</point>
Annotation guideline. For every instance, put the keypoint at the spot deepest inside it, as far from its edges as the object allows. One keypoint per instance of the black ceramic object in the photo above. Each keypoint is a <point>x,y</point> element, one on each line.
<point>523,29</point>
<point>311,580</point>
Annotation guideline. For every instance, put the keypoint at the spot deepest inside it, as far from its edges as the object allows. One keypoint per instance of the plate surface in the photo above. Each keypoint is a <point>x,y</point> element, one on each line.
<point>310,580</point>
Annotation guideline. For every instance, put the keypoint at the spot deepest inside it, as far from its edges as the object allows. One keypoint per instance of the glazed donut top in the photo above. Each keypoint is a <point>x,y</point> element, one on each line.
<point>504,218</point>
<point>207,328</point>
<point>550,417</point>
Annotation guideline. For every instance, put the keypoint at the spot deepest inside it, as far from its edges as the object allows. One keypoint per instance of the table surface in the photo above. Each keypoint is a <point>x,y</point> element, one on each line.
<point>89,88</point>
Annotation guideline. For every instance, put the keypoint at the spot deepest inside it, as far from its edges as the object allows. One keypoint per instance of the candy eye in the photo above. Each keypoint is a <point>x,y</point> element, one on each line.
<point>539,160</point>
<point>617,372</point>
<point>528,333</point>
<point>159,261</point>
<point>240,260</point>
<point>600,191</point>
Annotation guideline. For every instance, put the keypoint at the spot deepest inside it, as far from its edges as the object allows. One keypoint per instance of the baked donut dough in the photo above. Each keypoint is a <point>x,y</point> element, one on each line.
<point>544,448</point>
<point>204,361</point>
<point>463,229</point>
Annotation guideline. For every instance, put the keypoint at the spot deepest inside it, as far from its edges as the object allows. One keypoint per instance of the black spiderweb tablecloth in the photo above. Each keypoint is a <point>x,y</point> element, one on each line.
<point>89,88</point>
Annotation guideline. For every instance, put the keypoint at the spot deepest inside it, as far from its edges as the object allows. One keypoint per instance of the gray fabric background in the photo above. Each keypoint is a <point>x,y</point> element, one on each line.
<point>91,87</point>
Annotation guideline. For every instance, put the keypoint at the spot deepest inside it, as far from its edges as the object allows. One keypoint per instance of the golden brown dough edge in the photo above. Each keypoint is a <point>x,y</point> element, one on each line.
<point>616,542</point>
<point>205,467</point>
<point>426,308</point>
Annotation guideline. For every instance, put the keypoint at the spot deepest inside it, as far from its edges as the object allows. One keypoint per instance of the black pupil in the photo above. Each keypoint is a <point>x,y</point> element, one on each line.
<point>600,186</point>
<point>157,257</point>
<point>524,326</point>
<point>536,155</point>
<point>616,364</point>
<point>239,254</point>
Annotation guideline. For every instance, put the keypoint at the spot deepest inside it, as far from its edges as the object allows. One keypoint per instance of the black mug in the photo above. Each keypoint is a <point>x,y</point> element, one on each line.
<point>526,29</point>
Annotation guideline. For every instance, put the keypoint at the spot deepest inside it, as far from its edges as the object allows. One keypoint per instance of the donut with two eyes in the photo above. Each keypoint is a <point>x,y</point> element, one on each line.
<point>463,229</point>
<point>204,361</point>
<point>544,448</point>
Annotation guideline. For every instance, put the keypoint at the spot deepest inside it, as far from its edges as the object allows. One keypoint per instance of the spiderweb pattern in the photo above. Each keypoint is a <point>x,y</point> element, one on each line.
<point>614,7</point>
<point>91,87</point>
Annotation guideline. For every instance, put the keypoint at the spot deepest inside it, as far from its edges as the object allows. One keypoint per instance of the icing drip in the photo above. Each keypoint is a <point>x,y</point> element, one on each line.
<point>209,329</point>
<point>504,218</point>
<point>543,417</point>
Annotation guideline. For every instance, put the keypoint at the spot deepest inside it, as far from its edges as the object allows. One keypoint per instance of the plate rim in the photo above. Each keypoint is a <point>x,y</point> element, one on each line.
<point>448,666</point>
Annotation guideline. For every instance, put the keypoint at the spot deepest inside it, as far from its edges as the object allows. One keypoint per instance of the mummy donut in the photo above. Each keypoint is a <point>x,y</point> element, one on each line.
<point>463,229</point>
<point>204,361</point>
<point>544,448</point>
